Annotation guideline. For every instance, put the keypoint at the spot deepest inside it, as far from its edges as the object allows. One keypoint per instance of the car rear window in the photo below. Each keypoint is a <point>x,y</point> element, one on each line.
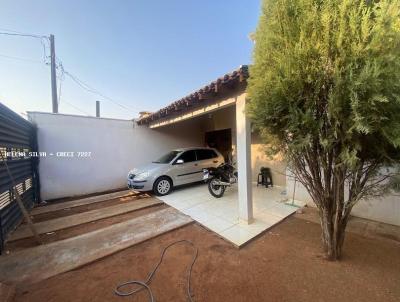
<point>205,154</point>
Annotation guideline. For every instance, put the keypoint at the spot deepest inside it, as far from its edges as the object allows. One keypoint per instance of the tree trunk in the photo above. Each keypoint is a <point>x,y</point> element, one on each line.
<point>332,234</point>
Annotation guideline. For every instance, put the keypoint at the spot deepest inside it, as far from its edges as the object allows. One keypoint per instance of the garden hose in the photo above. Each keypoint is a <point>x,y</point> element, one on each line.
<point>145,284</point>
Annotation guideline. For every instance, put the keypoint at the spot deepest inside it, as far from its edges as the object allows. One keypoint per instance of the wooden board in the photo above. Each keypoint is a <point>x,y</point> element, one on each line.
<point>41,262</point>
<point>80,202</point>
<point>81,218</point>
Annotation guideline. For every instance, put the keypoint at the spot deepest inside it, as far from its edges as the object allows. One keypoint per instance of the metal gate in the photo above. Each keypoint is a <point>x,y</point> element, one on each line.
<point>18,145</point>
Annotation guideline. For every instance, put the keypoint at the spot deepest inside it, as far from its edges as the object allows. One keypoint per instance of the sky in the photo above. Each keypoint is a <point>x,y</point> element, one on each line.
<point>142,54</point>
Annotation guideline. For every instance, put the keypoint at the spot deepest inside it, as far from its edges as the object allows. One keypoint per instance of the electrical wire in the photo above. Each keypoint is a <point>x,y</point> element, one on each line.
<point>60,78</point>
<point>75,107</point>
<point>22,35</point>
<point>45,56</point>
<point>94,91</point>
<point>145,284</point>
<point>10,30</point>
<point>19,34</point>
<point>83,85</point>
<point>20,59</point>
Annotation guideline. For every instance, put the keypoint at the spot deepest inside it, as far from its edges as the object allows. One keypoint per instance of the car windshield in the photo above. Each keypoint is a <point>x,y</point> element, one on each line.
<point>166,159</point>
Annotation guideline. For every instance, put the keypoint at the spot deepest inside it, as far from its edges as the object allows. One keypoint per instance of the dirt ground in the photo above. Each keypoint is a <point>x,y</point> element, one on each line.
<point>283,264</point>
<point>82,228</point>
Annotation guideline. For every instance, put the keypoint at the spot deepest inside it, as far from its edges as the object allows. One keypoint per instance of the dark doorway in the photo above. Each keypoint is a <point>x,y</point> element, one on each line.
<point>222,141</point>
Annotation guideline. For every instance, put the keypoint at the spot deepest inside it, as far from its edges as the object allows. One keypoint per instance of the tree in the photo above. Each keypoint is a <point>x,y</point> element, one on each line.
<point>324,91</point>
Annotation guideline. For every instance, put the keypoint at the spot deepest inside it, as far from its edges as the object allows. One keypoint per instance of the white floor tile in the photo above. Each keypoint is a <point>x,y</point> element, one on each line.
<point>198,215</point>
<point>282,210</point>
<point>268,218</point>
<point>217,224</point>
<point>230,216</point>
<point>237,235</point>
<point>221,215</point>
<point>257,226</point>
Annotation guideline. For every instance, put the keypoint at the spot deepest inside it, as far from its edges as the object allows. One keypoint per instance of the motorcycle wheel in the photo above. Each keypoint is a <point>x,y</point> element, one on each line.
<point>216,190</point>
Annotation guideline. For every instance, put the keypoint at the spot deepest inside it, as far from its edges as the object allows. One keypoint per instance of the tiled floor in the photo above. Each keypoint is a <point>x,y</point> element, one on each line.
<point>221,214</point>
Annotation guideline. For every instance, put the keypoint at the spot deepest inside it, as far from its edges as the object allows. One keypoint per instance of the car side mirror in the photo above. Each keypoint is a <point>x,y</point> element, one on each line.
<point>179,161</point>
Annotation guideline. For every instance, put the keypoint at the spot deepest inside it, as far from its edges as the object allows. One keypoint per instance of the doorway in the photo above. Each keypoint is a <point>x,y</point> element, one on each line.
<point>222,141</point>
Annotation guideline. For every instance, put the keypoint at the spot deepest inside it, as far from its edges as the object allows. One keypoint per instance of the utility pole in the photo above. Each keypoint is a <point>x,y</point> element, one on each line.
<point>97,108</point>
<point>53,75</point>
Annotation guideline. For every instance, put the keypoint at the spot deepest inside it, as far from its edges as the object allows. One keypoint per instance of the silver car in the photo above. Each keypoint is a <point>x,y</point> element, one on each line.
<point>177,167</point>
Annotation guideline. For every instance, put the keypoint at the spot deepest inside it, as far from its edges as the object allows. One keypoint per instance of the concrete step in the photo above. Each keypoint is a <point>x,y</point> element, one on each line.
<point>73,220</point>
<point>41,262</point>
<point>80,202</point>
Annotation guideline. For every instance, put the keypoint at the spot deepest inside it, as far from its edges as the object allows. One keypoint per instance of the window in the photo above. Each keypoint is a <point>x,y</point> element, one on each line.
<point>205,154</point>
<point>166,159</point>
<point>188,156</point>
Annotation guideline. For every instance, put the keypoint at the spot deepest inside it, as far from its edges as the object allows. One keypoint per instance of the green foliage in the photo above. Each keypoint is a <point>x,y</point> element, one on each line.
<point>326,74</point>
<point>324,90</point>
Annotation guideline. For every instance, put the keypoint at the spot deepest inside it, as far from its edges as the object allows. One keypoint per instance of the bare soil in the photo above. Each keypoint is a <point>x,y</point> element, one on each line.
<point>82,228</point>
<point>284,264</point>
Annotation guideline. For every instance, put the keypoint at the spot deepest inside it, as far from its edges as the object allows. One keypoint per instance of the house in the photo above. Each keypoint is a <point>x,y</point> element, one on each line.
<point>218,109</point>
<point>213,115</point>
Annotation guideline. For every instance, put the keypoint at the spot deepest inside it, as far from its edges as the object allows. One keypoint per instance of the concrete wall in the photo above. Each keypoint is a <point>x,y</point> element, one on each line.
<point>259,158</point>
<point>385,209</point>
<point>116,146</point>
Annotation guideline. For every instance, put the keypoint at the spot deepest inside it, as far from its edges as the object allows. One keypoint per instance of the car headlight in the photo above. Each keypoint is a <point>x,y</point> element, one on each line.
<point>142,176</point>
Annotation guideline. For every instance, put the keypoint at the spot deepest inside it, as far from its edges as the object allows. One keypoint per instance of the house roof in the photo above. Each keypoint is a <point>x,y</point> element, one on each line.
<point>230,80</point>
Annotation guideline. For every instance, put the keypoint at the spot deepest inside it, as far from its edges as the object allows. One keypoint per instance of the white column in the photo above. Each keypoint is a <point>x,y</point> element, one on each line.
<point>243,145</point>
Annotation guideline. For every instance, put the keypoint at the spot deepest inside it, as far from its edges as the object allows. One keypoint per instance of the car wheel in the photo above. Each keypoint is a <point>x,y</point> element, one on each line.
<point>162,186</point>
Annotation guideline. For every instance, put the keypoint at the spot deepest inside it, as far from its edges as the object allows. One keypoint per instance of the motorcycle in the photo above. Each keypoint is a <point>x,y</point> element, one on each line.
<point>220,178</point>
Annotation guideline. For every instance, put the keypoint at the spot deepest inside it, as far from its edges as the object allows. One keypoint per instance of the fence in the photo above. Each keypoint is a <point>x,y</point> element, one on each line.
<point>18,145</point>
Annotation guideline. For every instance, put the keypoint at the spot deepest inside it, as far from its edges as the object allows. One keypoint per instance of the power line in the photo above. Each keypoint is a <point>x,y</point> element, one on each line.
<point>94,91</point>
<point>76,107</point>
<point>10,30</point>
<point>88,88</point>
<point>44,50</point>
<point>78,81</point>
<point>20,59</point>
<point>19,34</point>
<point>22,35</point>
<point>61,78</point>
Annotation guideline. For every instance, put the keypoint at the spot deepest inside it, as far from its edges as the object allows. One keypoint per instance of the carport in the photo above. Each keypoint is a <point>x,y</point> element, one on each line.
<point>218,111</point>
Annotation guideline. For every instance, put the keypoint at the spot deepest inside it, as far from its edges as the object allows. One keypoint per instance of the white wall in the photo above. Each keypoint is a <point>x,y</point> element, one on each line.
<point>225,119</point>
<point>116,146</point>
<point>259,158</point>
<point>385,209</point>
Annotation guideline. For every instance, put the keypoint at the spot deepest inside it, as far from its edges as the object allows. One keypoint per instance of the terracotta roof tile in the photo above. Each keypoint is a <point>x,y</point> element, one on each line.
<point>232,78</point>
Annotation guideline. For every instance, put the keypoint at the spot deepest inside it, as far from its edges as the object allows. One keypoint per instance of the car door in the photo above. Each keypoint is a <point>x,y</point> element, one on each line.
<point>207,158</point>
<point>188,171</point>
